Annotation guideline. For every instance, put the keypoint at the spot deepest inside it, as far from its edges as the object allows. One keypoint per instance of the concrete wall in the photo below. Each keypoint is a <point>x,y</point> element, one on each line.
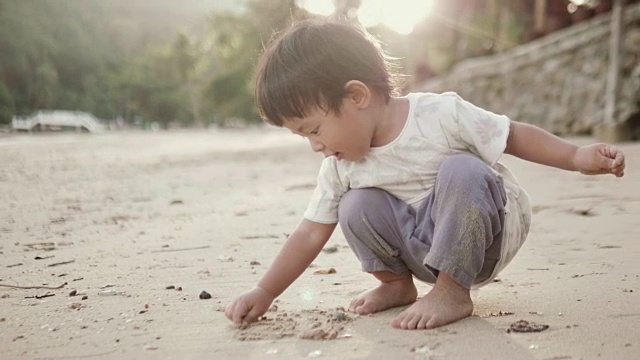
<point>556,82</point>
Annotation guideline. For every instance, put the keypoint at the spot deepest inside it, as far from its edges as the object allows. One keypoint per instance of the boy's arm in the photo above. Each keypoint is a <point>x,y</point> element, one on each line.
<point>531,143</point>
<point>300,249</point>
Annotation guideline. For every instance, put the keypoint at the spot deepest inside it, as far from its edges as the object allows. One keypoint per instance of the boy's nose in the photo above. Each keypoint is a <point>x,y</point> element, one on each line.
<point>316,145</point>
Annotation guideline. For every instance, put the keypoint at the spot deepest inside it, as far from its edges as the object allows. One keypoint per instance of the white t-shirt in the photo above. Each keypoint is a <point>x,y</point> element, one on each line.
<point>438,125</point>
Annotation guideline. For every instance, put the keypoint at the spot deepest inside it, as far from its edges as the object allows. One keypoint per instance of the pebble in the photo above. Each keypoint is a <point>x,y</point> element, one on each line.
<point>330,249</point>
<point>205,295</point>
<point>109,292</point>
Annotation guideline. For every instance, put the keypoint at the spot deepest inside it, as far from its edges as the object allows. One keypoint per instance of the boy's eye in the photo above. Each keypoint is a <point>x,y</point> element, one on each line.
<point>314,132</point>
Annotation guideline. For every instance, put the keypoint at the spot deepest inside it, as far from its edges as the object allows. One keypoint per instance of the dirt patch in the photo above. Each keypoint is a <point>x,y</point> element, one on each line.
<point>306,324</point>
<point>524,326</point>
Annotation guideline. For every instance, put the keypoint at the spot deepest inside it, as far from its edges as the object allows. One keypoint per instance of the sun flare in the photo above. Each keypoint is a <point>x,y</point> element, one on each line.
<point>399,15</point>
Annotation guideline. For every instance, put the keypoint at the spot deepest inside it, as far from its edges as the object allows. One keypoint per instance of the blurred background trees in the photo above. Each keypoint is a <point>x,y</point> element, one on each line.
<point>190,63</point>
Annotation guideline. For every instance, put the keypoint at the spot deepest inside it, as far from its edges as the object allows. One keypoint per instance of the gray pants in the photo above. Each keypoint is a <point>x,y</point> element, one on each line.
<point>457,229</point>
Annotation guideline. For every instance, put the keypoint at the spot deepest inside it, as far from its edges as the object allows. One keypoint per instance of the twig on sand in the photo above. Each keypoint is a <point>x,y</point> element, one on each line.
<point>48,294</point>
<point>34,287</point>
<point>78,356</point>
<point>182,249</point>
<point>61,263</point>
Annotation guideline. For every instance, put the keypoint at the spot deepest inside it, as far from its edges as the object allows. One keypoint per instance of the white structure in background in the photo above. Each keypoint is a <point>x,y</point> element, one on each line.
<point>58,119</point>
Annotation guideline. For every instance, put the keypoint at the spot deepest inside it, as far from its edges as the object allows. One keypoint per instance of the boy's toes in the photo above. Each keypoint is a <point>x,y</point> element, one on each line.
<point>422,324</point>
<point>412,323</point>
<point>433,323</point>
<point>419,322</point>
<point>365,309</point>
<point>355,304</point>
<point>397,322</point>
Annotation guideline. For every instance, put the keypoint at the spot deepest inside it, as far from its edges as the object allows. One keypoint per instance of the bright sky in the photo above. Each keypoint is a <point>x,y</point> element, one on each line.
<point>399,15</point>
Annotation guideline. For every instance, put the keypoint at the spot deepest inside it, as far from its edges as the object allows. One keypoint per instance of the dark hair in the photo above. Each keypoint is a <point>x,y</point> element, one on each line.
<point>308,65</point>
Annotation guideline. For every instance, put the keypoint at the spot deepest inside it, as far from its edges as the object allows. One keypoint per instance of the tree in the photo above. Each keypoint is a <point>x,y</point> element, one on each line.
<point>238,40</point>
<point>48,63</point>
<point>80,55</point>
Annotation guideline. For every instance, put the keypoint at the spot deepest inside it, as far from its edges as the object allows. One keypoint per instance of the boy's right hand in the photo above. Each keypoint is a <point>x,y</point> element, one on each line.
<point>246,308</point>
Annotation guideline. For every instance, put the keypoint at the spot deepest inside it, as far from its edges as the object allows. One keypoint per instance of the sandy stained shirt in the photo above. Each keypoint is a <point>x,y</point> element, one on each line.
<point>437,126</point>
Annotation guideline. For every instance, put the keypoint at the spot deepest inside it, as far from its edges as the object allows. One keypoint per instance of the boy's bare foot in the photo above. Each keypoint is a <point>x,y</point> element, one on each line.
<point>445,303</point>
<point>388,294</point>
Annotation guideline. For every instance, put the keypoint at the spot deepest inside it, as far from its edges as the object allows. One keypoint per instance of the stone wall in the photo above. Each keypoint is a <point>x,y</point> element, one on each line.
<point>556,82</point>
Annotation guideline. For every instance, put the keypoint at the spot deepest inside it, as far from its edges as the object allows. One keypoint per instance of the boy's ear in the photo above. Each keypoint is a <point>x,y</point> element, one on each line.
<point>358,93</point>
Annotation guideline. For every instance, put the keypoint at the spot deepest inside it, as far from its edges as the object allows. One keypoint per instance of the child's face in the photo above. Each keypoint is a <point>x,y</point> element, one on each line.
<point>346,135</point>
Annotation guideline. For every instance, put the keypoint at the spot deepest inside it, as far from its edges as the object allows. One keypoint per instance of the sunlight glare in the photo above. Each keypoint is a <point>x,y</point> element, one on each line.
<point>399,15</point>
<point>320,7</point>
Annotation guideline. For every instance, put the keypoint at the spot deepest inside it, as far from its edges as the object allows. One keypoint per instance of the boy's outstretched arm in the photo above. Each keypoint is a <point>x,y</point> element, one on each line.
<point>531,143</point>
<point>297,253</point>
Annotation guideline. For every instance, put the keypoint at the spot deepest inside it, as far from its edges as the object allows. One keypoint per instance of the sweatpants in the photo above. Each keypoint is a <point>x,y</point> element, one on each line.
<point>457,229</point>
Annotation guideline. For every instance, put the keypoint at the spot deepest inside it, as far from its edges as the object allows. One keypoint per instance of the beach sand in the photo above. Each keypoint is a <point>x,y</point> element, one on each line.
<point>123,217</point>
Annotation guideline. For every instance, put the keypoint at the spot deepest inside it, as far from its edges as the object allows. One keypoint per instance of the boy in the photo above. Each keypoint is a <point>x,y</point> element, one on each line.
<point>413,181</point>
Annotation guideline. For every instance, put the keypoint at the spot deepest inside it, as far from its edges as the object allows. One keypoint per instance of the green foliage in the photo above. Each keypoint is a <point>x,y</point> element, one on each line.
<point>93,55</point>
<point>7,108</point>
<point>238,40</point>
<point>50,56</point>
<point>150,87</point>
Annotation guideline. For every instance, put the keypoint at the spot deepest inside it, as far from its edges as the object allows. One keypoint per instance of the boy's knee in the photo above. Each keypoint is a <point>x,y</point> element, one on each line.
<point>466,178</point>
<point>356,202</point>
<point>464,170</point>
<point>461,163</point>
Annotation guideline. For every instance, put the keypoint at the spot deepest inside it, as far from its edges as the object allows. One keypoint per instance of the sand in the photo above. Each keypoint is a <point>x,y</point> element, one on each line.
<point>121,218</point>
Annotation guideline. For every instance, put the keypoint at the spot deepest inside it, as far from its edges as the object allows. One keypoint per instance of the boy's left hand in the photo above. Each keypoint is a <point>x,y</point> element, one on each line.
<point>599,159</point>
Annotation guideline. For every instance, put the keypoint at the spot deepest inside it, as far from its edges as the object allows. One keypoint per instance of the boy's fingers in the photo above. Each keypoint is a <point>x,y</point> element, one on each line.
<point>618,165</point>
<point>251,316</point>
<point>618,168</point>
<point>239,313</point>
<point>604,164</point>
<point>619,159</point>
<point>229,310</point>
<point>612,151</point>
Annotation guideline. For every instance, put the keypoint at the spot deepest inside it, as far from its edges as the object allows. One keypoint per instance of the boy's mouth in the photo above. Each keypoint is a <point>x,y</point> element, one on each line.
<point>339,156</point>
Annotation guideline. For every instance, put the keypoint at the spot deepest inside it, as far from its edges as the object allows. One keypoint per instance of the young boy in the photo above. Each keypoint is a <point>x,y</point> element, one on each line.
<point>413,181</point>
